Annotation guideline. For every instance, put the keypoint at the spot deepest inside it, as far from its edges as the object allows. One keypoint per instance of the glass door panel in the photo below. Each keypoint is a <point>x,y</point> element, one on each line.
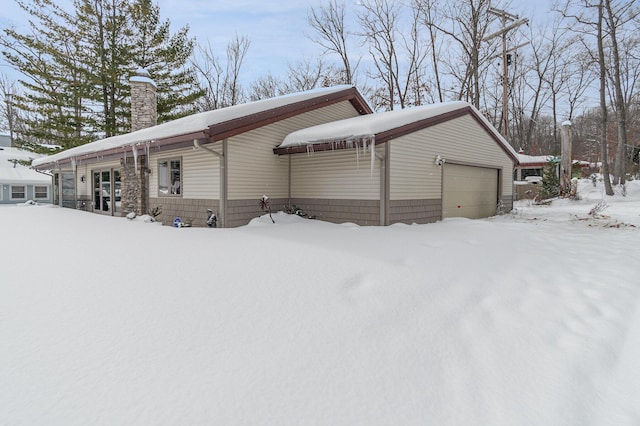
<point>106,191</point>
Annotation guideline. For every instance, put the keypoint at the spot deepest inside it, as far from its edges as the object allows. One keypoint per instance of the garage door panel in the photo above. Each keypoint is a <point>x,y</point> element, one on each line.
<point>469,191</point>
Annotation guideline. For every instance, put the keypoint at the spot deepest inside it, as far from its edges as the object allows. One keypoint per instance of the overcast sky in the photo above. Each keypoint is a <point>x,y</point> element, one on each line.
<point>276,28</point>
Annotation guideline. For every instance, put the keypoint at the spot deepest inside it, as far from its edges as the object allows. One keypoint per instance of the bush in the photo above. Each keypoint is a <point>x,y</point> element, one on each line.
<point>550,182</point>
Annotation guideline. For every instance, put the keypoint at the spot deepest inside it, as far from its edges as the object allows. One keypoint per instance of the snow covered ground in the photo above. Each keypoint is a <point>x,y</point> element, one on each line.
<point>530,318</point>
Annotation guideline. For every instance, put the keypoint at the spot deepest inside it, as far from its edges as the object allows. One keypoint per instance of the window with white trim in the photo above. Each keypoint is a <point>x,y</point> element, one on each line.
<point>18,192</point>
<point>41,192</point>
<point>170,177</point>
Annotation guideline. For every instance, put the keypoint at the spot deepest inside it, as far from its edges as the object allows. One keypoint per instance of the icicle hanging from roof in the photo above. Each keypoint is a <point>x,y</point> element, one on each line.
<point>372,148</point>
<point>135,159</point>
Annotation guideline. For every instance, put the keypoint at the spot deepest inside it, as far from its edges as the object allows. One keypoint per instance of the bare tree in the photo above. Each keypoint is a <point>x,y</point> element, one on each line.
<point>578,12</point>
<point>8,111</point>
<point>603,101</point>
<point>305,75</point>
<point>616,18</point>
<point>426,11</point>
<point>328,23</point>
<point>221,80</point>
<point>265,87</point>
<point>465,23</point>
<point>398,58</point>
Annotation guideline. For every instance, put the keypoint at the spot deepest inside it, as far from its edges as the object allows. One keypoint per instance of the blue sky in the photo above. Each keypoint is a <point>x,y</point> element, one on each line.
<point>277,28</point>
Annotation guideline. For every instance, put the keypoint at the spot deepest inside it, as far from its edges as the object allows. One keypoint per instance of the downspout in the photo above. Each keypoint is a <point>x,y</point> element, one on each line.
<point>223,177</point>
<point>52,182</point>
<point>383,186</point>
<point>41,172</point>
<point>289,180</point>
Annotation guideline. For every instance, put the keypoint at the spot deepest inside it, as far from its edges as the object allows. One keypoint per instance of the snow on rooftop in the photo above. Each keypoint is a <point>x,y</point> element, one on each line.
<point>533,159</point>
<point>189,124</point>
<point>366,126</point>
<point>10,173</point>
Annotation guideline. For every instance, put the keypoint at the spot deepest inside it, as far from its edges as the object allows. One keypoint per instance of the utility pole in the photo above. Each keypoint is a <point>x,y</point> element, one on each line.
<point>505,18</point>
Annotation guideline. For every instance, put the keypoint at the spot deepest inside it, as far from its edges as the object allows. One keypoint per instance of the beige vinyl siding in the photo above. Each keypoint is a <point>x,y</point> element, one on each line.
<point>343,175</point>
<point>254,170</point>
<point>200,172</point>
<point>413,173</point>
<point>83,189</point>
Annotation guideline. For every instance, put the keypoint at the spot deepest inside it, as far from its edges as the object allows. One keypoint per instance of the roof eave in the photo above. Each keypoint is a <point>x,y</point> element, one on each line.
<point>387,135</point>
<point>241,125</point>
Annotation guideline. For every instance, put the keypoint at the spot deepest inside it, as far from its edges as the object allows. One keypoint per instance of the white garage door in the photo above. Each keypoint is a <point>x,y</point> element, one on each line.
<point>469,191</point>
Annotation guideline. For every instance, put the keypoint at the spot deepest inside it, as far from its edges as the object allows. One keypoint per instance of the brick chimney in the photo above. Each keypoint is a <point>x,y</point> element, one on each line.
<point>144,110</point>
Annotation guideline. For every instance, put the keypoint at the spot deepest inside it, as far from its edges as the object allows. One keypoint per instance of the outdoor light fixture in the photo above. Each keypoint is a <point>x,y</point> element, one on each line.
<point>439,161</point>
<point>82,178</point>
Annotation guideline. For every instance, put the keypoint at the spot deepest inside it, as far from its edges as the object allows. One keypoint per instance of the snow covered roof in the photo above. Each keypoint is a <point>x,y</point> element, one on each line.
<point>384,126</point>
<point>533,160</point>
<point>17,173</point>
<point>217,124</point>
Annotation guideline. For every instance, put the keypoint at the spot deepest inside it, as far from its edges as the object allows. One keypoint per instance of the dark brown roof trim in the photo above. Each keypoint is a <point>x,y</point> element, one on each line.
<point>233,127</point>
<point>174,142</point>
<point>394,133</point>
<point>240,125</point>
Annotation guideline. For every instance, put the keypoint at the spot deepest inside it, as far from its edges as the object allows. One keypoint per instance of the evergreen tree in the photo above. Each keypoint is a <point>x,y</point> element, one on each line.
<point>52,102</point>
<point>165,56</point>
<point>77,67</point>
<point>550,181</point>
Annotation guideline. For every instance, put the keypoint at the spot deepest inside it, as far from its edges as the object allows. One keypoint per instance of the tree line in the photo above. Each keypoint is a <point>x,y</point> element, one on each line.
<point>581,64</point>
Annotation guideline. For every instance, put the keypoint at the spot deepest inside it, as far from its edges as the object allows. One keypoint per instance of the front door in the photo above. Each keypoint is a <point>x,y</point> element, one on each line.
<point>106,191</point>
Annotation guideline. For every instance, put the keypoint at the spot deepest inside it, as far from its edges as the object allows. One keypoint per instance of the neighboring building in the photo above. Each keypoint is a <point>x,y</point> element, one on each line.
<point>430,162</point>
<point>5,141</point>
<point>19,183</point>
<point>530,166</point>
<point>220,159</point>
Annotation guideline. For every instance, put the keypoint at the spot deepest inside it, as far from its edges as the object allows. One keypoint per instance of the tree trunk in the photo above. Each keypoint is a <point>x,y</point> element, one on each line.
<point>603,106</point>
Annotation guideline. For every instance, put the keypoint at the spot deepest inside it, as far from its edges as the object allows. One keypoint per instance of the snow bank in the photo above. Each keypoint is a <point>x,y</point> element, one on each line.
<point>528,318</point>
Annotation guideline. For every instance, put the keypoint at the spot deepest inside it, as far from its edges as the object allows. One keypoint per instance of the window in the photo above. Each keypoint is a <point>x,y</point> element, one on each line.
<point>170,177</point>
<point>18,192</point>
<point>40,192</point>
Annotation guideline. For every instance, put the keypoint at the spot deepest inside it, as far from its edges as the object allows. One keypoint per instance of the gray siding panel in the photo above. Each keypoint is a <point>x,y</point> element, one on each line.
<point>241,212</point>
<point>361,212</point>
<point>188,209</point>
<point>415,211</point>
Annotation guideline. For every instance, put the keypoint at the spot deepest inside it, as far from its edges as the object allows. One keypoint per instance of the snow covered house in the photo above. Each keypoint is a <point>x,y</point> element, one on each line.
<point>415,165</point>
<point>221,160</point>
<point>19,183</point>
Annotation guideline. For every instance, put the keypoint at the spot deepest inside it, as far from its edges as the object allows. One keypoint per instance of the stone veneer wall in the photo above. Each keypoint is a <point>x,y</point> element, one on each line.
<point>144,109</point>
<point>415,211</point>
<point>133,185</point>
<point>361,212</point>
<point>187,209</point>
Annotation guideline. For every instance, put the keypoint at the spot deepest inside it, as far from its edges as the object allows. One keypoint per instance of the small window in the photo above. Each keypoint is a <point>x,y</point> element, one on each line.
<point>40,192</point>
<point>170,177</point>
<point>18,192</point>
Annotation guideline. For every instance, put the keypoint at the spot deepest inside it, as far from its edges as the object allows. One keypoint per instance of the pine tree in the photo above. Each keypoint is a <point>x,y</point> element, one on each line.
<point>165,56</point>
<point>550,181</point>
<point>52,102</point>
<point>77,66</point>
